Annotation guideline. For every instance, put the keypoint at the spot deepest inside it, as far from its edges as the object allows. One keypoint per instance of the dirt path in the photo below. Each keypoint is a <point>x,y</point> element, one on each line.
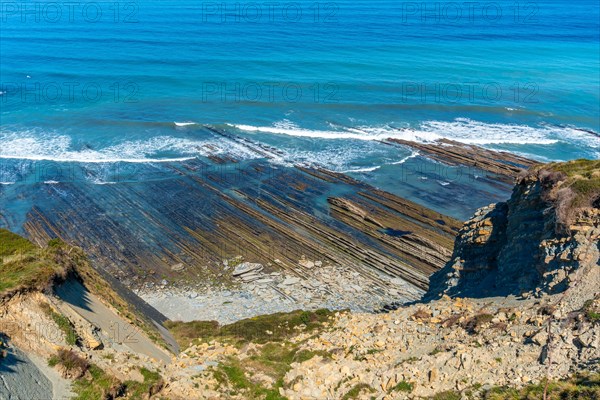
<point>119,331</point>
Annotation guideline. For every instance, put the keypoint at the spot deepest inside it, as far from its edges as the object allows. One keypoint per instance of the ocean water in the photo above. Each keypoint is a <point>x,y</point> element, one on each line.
<point>323,83</point>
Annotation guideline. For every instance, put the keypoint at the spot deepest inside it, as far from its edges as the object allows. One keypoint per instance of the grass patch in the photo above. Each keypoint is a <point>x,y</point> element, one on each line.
<point>357,390</point>
<point>73,364</point>
<point>153,384</point>
<point>97,384</point>
<point>402,386</point>
<point>582,386</point>
<point>63,323</point>
<point>447,395</point>
<point>233,374</point>
<point>280,326</point>
<point>591,310</point>
<point>577,168</point>
<point>23,266</point>
<point>570,186</point>
<point>13,244</point>
<point>273,359</point>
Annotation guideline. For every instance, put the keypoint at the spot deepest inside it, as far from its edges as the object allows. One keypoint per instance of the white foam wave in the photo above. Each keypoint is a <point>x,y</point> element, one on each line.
<point>367,134</point>
<point>370,169</point>
<point>462,130</point>
<point>405,159</point>
<point>303,132</point>
<point>50,147</point>
<point>7,183</point>
<point>375,168</point>
<point>181,124</point>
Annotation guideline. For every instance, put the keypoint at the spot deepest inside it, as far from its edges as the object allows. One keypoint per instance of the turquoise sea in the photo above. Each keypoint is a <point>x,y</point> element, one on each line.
<point>92,87</point>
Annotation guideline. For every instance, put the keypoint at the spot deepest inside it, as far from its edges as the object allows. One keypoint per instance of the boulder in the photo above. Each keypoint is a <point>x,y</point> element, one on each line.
<point>247,267</point>
<point>177,267</point>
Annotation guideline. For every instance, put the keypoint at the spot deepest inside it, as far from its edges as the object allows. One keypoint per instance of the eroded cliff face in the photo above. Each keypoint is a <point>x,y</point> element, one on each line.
<point>518,247</point>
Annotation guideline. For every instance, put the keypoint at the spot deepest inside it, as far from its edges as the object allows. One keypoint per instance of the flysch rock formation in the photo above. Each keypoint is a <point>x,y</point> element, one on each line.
<point>517,302</point>
<point>503,165</point>
<point>175,233</point>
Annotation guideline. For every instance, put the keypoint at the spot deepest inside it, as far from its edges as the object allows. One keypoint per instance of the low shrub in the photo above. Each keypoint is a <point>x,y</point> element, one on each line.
<point>74,365</point>
<point>476,322</point>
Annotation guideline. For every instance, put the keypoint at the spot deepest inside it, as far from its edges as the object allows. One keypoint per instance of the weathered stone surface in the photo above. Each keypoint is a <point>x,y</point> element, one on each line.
<point>505,165</point>
<point>519,250</point>
<point>246,267</point>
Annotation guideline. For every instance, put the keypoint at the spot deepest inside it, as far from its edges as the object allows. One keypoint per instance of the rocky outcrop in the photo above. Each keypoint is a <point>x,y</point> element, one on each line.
<point>465,346</point>
<point>505,166</point>
<point>516,248</point>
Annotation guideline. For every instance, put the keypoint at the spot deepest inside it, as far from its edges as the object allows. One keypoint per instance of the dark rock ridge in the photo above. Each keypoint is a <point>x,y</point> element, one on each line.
<point>174,223</point>
<point>517,247</point>
<point>273,216</point>
<point>501,165</point>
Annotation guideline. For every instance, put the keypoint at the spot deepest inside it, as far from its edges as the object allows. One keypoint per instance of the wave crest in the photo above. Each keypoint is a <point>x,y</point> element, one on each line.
<point>462,130</point>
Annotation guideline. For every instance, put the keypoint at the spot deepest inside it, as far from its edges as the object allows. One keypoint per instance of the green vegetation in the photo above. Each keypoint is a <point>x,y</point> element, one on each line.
<point>23,266</point>
<point>435,351</point>
<point>97,384</point>
<point>570,186</point>
<point>262,329</point>
<point>357,390</point>
<point>234,375</point>
<point>13,244</point>
<point>447,395</point>
<point>63,323</point>
<point>153,384</point>
<point>403,386</point>
<point>584,386</point>
<point>70,361</point>
<point>578,168</point>
<point>591,309</point>
<point>271,359</point>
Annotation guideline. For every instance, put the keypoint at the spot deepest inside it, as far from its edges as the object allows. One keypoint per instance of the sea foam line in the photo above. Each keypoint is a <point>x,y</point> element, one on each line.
<point>375,168</point>
<point>50,147</point>
<point>405,159</point>
<point>96,161</point>
<point>462,130</point>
